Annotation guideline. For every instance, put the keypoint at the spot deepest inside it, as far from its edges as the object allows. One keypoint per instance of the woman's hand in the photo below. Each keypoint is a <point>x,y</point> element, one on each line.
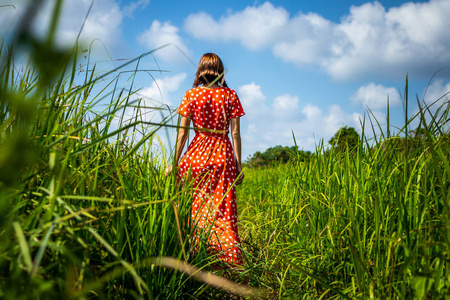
<point>168,170</point>
<point>239,173</point>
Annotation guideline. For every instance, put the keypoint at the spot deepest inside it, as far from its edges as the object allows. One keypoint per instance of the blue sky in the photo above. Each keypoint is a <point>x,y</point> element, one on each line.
<point>307,67</point>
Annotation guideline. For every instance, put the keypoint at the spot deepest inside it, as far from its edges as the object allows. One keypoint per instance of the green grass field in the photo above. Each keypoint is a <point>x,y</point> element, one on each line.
<point>370,224</point>
<point>86,211</point>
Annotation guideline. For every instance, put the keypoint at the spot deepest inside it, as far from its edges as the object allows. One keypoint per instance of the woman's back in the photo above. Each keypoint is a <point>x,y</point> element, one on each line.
<point>211,108</point>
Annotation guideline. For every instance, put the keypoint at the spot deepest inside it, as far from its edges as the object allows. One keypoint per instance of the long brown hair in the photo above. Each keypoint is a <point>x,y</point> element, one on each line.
<point>209,69</point>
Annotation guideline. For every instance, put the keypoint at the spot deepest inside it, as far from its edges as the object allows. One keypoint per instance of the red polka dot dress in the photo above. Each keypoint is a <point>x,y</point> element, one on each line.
<point>210,163</point>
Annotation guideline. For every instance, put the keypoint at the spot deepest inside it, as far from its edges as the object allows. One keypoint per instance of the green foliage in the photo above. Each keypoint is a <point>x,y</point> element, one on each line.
<point>374,223</point>
<point>275,155</point>
<point>346,137</point>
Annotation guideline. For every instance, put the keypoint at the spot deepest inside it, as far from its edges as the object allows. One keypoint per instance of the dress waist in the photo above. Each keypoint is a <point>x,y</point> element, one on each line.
<point>215,134</point>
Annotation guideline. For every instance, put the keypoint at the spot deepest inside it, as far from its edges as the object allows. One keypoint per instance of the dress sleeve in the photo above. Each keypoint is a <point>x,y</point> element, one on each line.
<point>185,107</point>
<point>236,107</point>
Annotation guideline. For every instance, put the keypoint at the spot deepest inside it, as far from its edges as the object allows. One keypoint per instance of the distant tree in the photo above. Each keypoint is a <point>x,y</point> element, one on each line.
<point>277,154</point>
<point>345,137</point>
<point>256,160</point>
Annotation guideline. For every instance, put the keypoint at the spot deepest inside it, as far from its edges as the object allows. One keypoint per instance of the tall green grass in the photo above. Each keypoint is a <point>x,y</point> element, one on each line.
<point>86,211</point>
<point>85,208</point>
<point>367,223</point>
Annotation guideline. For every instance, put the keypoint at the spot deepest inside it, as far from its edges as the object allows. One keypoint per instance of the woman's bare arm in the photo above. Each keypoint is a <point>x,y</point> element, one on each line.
<point>183,133</point>
<point>236,138</point>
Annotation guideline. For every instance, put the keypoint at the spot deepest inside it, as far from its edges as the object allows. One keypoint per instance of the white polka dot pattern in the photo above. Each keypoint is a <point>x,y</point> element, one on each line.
<point>209,161</point>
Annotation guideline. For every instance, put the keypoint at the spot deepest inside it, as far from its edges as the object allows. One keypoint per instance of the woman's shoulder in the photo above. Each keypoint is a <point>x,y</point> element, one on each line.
<point>193,90</point>
<point>229,90</point>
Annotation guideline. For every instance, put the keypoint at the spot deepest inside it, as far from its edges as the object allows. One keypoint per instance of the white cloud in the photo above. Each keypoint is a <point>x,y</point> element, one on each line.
<point>375,96</point>
<point>286,107</point>
<point>254,27</point>
<point>369,41</point>
<point>161,89</point>
<point>131,8</point>
<point>160,34</point>
<point>285,102</point>
<point>104,22</point>
<point>152,103</point>
<point>311,112</point>
<point>251,95</point>
<point>203,26</point>
<point>389,43</point>
<point>306,40</point>
<point>268,124</point>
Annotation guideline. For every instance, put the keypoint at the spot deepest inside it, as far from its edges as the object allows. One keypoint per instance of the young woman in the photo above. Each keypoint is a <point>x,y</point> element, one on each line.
<point>211,162</point>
